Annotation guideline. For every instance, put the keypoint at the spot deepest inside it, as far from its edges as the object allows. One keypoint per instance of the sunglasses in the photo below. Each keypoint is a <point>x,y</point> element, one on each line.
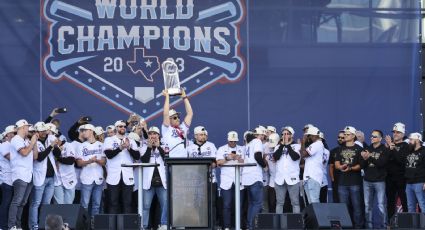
<point>175,117</point>
<point>373,136</point>
<point>340,138</point>
<point>286,134</point>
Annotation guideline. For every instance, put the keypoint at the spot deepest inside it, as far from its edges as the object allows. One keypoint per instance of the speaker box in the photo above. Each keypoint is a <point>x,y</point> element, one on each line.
<point>128,222</point>
<point>105,222</point>
<point>408,221</point>
<point>279,221</point>
<point>327,215</point>
<point>72,214</point>
<point>291,221</point>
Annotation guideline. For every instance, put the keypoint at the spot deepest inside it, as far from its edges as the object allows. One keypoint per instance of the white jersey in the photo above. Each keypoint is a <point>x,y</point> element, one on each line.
<point>288,170</point>
<point>174,140</point>
<point>113,166</point>
<point>227,175</point>
<point>92,172</point>
<point>40,167</point>
<point>66,173</point>
<point>208,149</point>
<point>21,165</point>
<point>148,171</point>
<point>325,168</point>
<point>76,145</point>
<point>271,163</point>
<point>313,168</point>
<point>252,174</point>
<point>5,170</point>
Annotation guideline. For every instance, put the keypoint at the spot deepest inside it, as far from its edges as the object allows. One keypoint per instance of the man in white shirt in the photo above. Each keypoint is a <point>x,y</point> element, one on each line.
<point>154,178</point>
<point>229,153</point>
<point>252,177</point>
<point>287,157</point>
<point>174,133</point>
<point>44,171</point>
<point>91,158</point>
<point>66,175</point>
<point>119,149</point>
<point>313,168</point>
<point>22,153</point>
<point>6,175</point>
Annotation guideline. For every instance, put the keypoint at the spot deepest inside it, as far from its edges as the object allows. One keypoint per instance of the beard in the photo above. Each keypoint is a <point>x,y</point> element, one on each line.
<point>412,147</point>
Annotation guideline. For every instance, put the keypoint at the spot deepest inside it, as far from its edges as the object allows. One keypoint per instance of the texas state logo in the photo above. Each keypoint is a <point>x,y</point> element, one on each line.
<point>114,48</point>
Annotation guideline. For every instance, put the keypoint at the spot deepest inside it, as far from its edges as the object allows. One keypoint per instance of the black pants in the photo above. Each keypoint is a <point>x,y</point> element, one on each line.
<point>324,194</point>
<point>271,199</point>
<point>120,198</point>
<point>395,188</point>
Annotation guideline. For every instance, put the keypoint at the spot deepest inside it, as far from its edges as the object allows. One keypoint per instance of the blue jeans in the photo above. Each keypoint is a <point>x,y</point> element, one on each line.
<point>63,195</point>
<point>228,197</point>
<point>21,192</point>
<point>91,192</point>
<point>7,194</point>
<point>352,193</point>
<point>255,202</point>
<point>40,195</point>
<point>372,190</point>
<point>161,193</point>
<point>312,190</point>
<point>415,194</point>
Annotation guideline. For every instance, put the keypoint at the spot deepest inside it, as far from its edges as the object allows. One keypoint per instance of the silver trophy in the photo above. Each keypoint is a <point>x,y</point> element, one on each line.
<point>171,77</point>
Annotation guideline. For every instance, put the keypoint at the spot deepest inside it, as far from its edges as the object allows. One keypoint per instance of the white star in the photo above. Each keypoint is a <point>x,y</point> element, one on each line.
<point>148,63</point>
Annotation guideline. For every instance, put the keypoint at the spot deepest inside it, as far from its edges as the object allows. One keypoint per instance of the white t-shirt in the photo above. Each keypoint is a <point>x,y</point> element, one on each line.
<point>252,174</point>
<point>113,166</point>
<point>66,173</point>
<point>325,167</point>
<point>288,170</point>
<point>227,175</point>
<point>21,165</point>
<point>5,170</point>
<point>208,149</point>
<point>92,172</point>
<point>172,138</point>
<point>148,171</point>
<point>313,168</point>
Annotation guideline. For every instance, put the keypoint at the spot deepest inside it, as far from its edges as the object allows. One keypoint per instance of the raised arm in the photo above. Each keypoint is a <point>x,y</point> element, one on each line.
<point>189,112</point>
<point>166,117</point>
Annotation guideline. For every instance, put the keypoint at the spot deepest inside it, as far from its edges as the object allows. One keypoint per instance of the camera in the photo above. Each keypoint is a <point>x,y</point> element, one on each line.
<point>87,118</point>
<point>61,110</point>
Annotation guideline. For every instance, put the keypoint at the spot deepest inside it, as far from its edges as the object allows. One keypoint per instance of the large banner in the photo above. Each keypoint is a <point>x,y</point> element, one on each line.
<point>242,62</point>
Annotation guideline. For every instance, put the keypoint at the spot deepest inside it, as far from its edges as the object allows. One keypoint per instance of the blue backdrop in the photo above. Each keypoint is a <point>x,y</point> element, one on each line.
<point>243,62</point>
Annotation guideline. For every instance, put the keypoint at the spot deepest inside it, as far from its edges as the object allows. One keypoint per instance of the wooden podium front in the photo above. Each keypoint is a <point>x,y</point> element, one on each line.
<point>189,193</point>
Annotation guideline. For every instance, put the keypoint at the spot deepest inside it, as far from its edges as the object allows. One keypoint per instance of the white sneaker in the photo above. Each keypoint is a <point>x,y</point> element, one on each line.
<point>162,227</point>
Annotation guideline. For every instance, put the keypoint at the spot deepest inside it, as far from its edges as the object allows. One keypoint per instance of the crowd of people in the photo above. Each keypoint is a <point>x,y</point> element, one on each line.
<point>39,165</point>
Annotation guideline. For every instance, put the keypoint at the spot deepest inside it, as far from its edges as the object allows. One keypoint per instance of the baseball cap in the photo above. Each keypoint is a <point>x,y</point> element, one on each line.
<point>154,129</point>
<point>199,130</point>
<point>31,129</point>
<point>350,129</point>
<point>22,123</point>
<point>416,136</point>
<point>120,123</point>
<point>271,128</point>
<point>173,112</point>
<point>51,127</point>
<point>399,127</point>
<point>313,131</point>
<point>9,129</point>
<point>110,127</point>
<point>98,130</point>
<point>260,130</point>
<point>232,136</point>
<point>273,140</point>
<point>87,127</point>
<point>307,126</point>
<point>40,126</point>
<point>289,128</point>
<point>321,135</point>
<point>133,136</point>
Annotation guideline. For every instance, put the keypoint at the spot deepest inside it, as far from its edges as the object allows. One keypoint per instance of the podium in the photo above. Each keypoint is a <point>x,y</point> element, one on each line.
<point>189,193</point>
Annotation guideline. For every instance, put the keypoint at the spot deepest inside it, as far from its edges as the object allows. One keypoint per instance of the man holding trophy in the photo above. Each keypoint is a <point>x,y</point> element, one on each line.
<point>174,132</point>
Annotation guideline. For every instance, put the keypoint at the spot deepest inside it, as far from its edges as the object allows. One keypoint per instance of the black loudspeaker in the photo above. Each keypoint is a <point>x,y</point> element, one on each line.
<point>291,221</point>
<point>327,215</point>
<point>105,222</point>
<point>128,222</point>
<point>408,221</point>
<point>279,221</point>
<point>72,214</point>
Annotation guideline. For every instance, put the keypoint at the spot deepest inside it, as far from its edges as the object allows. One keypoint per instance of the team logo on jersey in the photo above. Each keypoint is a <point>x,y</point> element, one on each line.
<point>114,49</point>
